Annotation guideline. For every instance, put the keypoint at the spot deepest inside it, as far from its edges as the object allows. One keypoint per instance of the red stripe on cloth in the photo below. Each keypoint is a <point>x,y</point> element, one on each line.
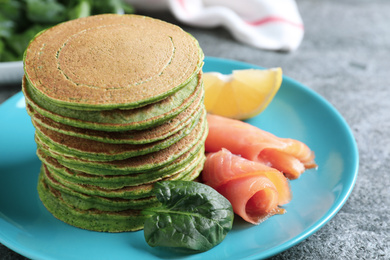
<point>273,19</point>
<point>183,5</point>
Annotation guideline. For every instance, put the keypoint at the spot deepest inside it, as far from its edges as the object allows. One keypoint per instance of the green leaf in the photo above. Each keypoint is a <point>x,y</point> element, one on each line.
<point>2,47</point>
<point>192,216</point>
<point>6,55</point>
<point>6,27</point>
<point>111,6</point>
<point>11,9</point>
<point>45,11</point>
<point>81,9</point>
<point>20,20</point>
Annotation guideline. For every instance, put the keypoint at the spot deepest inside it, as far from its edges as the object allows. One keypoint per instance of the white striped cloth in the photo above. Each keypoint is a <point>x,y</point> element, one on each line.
<point>265,24</point>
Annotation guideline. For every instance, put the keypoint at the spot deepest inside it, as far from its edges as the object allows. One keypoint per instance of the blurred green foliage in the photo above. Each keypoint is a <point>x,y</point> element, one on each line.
<point>21,20</point>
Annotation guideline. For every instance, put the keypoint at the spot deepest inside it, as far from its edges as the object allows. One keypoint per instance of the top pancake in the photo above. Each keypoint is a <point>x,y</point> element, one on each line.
<point>111,61</point>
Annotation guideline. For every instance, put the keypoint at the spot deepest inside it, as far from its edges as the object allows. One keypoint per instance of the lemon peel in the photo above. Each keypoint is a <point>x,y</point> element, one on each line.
<point>243,93</point>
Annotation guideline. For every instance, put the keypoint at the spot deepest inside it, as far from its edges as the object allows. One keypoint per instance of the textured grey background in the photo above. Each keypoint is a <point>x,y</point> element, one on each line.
<point>345,58</point>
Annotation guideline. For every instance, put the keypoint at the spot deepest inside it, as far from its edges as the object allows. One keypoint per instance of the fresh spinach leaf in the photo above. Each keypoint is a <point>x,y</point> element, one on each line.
<point>2,47</point>
<point>81,9</point>
<point>6,27</point>
<point>19,19</point>
<point>192,216</point>
<point>45,11</point>
<point>112,6</point>
<point>11,9</point>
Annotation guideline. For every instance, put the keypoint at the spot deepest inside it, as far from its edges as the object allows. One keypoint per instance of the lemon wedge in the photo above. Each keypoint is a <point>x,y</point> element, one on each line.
<point>242,94</point>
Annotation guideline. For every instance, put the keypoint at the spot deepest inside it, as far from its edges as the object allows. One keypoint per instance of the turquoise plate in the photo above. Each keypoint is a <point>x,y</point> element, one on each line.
<point>296,112</point>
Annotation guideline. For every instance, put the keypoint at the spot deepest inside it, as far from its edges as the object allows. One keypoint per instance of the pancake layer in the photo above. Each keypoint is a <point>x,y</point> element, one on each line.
<point>111,61</point>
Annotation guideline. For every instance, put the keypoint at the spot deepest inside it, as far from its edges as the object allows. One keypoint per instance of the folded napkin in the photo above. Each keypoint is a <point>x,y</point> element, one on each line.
<point>265,24</point>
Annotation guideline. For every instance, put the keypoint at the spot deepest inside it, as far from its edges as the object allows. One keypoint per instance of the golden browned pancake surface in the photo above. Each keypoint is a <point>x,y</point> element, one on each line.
<point>109,61</point>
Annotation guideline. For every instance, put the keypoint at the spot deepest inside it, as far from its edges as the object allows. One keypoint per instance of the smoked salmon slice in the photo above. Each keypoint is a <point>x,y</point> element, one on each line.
<point>287,155</point>
<point>254,189</point>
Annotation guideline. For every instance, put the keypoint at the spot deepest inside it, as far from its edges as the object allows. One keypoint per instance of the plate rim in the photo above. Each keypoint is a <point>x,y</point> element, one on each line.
<point>317,225</point>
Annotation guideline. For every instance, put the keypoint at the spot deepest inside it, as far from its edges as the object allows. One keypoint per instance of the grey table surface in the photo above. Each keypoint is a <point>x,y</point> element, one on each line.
<point>345,57</point>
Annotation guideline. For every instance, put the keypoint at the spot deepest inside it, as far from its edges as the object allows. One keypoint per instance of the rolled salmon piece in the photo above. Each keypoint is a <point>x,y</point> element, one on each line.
<point>287,155</point>
<point>254,189</point>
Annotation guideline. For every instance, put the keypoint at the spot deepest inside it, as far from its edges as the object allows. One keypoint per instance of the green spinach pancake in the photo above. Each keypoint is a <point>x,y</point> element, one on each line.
<point>117,106</point>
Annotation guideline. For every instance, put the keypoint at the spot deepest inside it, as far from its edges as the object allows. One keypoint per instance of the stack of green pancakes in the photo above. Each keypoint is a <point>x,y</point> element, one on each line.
<point>117,104</point>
